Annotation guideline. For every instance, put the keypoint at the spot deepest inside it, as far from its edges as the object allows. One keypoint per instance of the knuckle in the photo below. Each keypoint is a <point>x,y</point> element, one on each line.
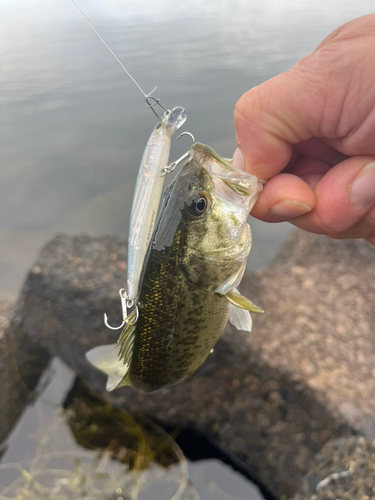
<point>248,105</point>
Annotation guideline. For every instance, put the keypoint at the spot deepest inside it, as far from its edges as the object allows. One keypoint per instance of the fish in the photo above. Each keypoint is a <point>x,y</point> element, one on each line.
<point>148,193</point>
<point>194,263</point>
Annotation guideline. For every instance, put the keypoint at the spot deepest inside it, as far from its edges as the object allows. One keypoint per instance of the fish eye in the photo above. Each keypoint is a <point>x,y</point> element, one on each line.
<point>201,205</point>
<point>198,205</point>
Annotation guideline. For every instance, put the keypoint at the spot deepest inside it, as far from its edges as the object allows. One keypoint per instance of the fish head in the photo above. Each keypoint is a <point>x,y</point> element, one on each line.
<point>234,189</point>
<point>208,205</point>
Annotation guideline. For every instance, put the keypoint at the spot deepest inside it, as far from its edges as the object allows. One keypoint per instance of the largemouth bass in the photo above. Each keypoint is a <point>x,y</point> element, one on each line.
<point>195,260</point>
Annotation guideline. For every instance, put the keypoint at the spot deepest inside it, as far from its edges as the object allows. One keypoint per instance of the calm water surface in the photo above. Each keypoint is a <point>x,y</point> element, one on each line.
<point>73,126</point>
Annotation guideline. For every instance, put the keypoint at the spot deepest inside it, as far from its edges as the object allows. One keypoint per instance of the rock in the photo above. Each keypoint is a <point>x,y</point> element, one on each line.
<point>5,314</point>
<point>273,398</point>
<point>75,280</point>
<point>323,309</point>
<point>344,469</point>
<point>22,363</point>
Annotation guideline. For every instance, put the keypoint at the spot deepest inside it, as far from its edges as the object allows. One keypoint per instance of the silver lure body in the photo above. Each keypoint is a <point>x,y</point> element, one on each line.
<point>147,195</point>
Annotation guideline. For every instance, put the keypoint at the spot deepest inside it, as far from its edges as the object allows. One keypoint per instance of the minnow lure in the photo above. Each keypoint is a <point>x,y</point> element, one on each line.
<point>149,186</point>
<point>147,194</point>
<point>145,205</point>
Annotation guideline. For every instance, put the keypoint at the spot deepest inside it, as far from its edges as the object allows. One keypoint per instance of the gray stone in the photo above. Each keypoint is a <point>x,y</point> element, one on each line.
<point>273,398</point>
<point>22,363</point>
<point>5,314</point>
<point>344,469</point>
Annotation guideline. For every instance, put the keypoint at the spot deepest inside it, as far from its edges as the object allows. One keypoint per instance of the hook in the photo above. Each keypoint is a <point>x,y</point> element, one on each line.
<point>125,304</point>
<point>155,103</point>
<point>172,166</point>
<point>186,133</point>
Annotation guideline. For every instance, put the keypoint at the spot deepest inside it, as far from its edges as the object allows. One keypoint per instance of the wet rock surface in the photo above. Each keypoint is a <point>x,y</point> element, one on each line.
<point>273,398</point>
<point>22,364</point>
<point>5,314</point>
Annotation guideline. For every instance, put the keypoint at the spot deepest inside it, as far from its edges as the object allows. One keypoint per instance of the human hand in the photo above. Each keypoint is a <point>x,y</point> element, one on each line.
<point>310,132</point>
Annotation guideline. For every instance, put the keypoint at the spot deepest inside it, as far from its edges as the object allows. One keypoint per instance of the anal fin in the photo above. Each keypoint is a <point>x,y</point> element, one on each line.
<point>115,359</point>
<point>106,359</point>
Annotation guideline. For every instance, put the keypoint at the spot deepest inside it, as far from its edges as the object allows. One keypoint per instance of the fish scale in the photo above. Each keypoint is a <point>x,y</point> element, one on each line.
<point>153,368</point>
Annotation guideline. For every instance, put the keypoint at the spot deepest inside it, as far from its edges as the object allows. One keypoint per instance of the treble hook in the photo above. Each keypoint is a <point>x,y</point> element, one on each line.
<point>186,133</point>
<point>167,170</point>
<point>125,303</point>
<point>155,103</point>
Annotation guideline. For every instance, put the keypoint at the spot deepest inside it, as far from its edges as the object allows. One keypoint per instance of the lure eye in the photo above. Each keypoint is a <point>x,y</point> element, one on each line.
<point>198,205</point>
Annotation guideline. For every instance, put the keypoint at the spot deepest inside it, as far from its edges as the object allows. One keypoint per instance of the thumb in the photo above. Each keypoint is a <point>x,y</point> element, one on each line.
<point>272,117</point>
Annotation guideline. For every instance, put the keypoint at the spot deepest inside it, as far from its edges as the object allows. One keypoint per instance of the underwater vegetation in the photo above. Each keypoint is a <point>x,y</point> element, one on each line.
<point>92,450</point>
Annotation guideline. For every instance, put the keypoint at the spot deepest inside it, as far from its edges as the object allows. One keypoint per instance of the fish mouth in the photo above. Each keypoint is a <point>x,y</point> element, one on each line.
<point>231,184</point>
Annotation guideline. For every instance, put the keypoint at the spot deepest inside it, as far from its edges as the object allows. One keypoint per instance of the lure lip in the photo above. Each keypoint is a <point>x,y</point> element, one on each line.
<point>173,120</point>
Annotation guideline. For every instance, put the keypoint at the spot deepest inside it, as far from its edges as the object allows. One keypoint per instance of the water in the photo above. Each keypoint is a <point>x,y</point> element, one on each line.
<point>43,441</point>
<point>73,126</point>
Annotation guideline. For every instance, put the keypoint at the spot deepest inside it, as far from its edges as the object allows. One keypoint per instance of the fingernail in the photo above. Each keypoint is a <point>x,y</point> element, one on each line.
<point>287,209</point>
<point>363,187</point>
<point>238,159</point>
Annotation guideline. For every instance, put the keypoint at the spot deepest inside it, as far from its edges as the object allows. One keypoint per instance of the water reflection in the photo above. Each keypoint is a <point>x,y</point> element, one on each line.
<point>95,451</point>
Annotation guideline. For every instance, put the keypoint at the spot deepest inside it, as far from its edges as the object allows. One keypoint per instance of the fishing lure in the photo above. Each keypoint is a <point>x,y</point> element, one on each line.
<point>145,205</point>
<point>148,190</point>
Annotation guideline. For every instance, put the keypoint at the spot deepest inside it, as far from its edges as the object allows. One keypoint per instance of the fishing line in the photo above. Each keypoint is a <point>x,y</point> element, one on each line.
<point>148,97</point>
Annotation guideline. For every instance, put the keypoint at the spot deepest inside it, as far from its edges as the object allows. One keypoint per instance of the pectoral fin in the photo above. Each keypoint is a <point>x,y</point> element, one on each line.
<point>106,359</point>
<point>240,306</point>
<point>235,298</point>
